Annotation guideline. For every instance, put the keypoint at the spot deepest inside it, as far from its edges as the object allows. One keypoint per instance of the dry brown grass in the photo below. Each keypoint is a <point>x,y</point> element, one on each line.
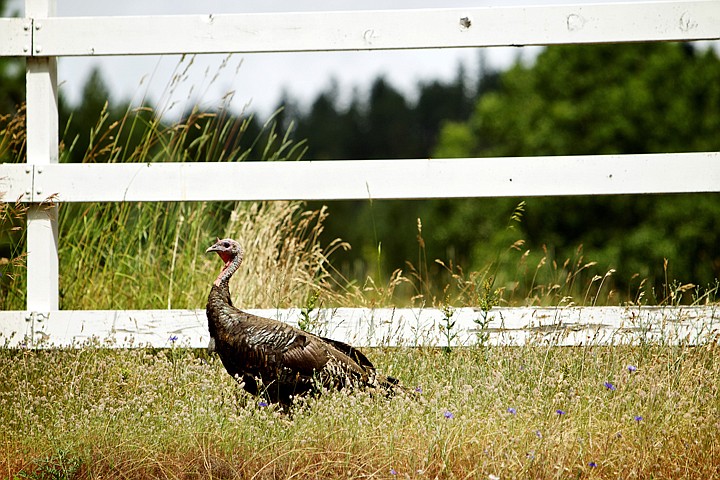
<point>176,414</point>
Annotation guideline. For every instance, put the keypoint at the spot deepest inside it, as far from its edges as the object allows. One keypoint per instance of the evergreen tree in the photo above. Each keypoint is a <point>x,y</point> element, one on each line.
<point>383,124</point>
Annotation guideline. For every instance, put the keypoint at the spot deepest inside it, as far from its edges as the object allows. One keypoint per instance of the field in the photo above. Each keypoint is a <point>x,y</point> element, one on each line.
<point>517,412</point>
<point>645,411</point>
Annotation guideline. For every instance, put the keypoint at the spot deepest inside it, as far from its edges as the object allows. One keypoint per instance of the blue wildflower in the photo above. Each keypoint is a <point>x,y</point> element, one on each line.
<point>418,389</point>
<point>262,403</point>
<point>560,412</point>
<point>512,411</point>
<point>448,414</point>
<point>393,471</point>
<point>610,386</point>
<point>632,368</point>
<point>592,464</point>
<point>173,338</point>
<point>638,418</point>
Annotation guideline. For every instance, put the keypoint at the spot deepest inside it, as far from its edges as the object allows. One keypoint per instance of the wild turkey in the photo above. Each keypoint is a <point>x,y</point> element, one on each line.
<point>273,359</point>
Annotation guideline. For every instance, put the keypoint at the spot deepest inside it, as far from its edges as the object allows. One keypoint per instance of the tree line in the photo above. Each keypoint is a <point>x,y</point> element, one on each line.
<point>575,99</point>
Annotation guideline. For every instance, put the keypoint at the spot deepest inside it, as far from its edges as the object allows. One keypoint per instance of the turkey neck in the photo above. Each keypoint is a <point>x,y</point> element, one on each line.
<point>223,279</point>
<point>219,297</point>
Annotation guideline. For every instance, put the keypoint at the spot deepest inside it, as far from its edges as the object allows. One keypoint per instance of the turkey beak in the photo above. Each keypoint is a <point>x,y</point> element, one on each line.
<point>213,248</point>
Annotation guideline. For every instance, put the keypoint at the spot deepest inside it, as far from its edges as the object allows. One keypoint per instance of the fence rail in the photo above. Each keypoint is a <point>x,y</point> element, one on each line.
<point>376,30</point>
<point>564,326</point>
<point>365,179</point>
<point>41,37</point>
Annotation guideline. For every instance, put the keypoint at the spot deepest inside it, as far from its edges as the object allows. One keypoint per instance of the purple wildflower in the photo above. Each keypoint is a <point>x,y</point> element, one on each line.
<point>512,411</point>
<point>418,389</point>
<point>560,412</point>
<point>631,368</point>
<point>638,418</point>
<point>393,471</point>
<point>173,338</point>
<point>538,433</point>
<point>610,386</point>
<point>262,403</point>
<point>448,415</point>
<point>592,464</point>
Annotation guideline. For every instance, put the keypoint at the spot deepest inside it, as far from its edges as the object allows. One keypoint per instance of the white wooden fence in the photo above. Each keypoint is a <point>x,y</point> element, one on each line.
<point>41,37</point>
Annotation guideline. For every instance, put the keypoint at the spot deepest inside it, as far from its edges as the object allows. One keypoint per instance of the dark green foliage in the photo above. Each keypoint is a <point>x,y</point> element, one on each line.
<point>61,466</point>
<point>601,99</point>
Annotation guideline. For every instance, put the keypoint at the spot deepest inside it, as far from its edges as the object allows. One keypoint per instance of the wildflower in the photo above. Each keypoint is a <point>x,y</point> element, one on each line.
<point>512,411</point>
<point>592,464</point>
<point>418,389</point>
<point>262,403</point>
<point>632,368</point>
<point>610,386</point>
<point>560,412</point>
<point>638,418</point>
<point>393,471</point>
<point>173,338</point>
<point>538,433</point>
<point>448,415</point>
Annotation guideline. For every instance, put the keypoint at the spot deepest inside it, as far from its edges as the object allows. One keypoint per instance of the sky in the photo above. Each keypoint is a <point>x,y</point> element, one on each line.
<point>259,80</point>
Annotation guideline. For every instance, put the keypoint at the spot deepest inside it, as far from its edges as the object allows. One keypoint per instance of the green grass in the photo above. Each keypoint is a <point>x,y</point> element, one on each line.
<point>95,413</point>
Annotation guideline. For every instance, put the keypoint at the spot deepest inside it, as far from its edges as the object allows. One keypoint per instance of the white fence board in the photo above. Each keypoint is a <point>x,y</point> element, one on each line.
<point>15,37</point>
<point>380,327</point>
<point>42,139</point>
<point>376,179</point>
<point>385,29</point>
<point>16,182</point>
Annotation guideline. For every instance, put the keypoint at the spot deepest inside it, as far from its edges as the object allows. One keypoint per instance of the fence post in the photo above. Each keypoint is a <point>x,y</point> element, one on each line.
<point>42,149</point>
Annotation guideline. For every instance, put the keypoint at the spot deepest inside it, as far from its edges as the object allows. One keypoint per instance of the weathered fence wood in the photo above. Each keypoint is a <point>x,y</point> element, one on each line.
<point>568,326</point>
<point>377,30</point>
<point>42,151</point>
<point>16,37</point>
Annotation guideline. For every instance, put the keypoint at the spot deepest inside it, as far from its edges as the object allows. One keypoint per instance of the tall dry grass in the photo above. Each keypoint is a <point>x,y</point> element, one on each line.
<point>150,255</point>
<point>521,412</point>
<point>156,260</point>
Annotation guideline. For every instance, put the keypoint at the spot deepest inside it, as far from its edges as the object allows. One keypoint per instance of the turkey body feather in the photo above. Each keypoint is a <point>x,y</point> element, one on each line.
<point>274,359</point>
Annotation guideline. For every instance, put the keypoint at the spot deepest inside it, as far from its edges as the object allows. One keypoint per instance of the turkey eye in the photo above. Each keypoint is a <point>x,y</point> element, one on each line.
<point>226,245</point>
